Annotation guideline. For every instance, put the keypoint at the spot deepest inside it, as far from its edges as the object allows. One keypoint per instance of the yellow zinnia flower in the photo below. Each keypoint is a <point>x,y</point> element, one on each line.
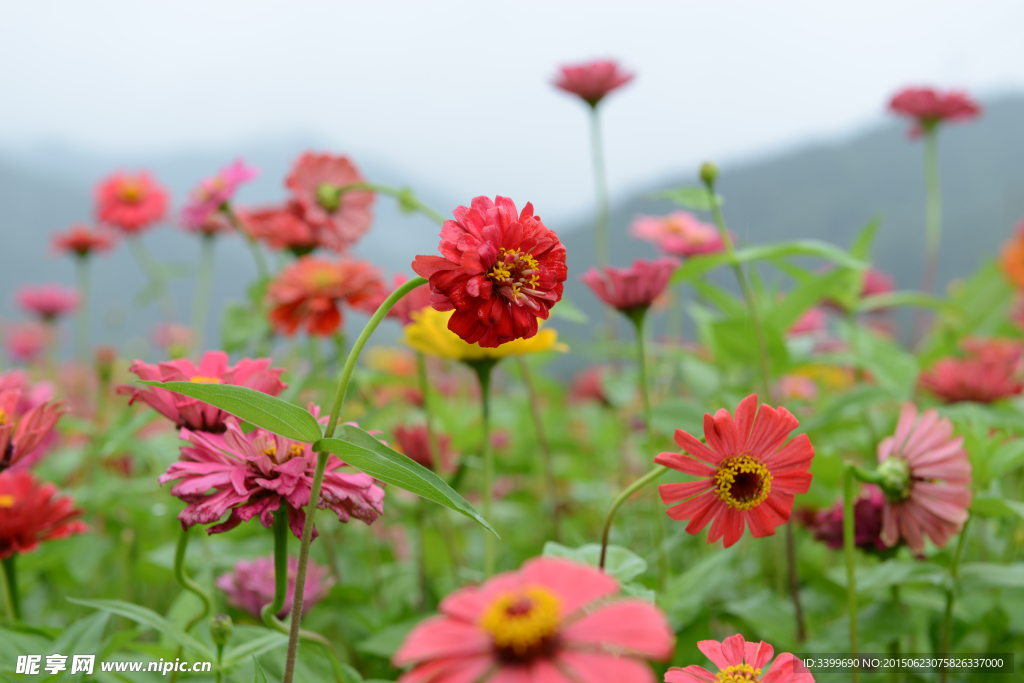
<point>428,333</point>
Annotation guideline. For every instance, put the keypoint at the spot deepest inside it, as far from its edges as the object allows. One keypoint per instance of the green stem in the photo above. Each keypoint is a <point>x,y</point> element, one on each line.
<point>947,622</point>
<point>851,558</point>
<point>545,446</point>
<point>406,199</point>
<point>270,611</point>
<point>933,210</point>
<point>622,498</point>
<point>187,582</point>
<point>82,312</point>
<point>601,190</point>
<point>11,597</point>
<point>321,465</point>
<point>637,316</point>
<point>483,372</point>
<point>254,248</point>
<point>154,272</point>
<point>204,286</point>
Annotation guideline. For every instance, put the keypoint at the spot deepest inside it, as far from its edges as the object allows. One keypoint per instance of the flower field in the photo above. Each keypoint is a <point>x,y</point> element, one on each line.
<point>803,465</point>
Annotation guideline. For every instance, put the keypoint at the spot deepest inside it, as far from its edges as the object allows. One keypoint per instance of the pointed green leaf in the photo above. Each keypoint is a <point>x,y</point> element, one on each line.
<point>696,266</point>
<point>893,299</point>
<point>367,454</point>
<point>260,676</point>
<point>861,247</point>
<point>823,250</point>
<point>255,407</point>
<point>148,617</point>
<point>254,647</point>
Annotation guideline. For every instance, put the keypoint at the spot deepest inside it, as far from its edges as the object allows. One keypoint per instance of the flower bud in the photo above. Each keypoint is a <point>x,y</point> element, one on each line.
<point>105,358</point>
<point>708,173</point>
<point>894,479</point>
<point>328,196</point>
<point>221,627</point>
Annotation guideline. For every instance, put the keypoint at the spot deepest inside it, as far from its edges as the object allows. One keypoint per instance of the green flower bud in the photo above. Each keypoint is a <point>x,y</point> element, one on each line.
<point>221,627</point>
<point>708,173</point>
<point>894,478</point>
<point>329,197</point>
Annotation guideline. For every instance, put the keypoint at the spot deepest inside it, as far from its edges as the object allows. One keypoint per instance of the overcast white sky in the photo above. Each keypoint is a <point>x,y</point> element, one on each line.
<point>458,93</point>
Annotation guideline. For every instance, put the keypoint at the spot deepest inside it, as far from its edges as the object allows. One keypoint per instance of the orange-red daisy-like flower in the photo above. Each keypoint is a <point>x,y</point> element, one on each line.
<point>308,293</point>
<point>31,512</point>
<point>748,476</point>
<point>593,80</point>
<point>316,182</point>
<point>1012,257</point>
<point>631,289</point>
<point>82,240</point>
<point>282,227</point>
<point>130,202</point>
<point>992,369</point>
<point>500,270</point>
<point>741,662</point>
<point>925,476</point>
<point>553,621</point>
<point>929,107</point>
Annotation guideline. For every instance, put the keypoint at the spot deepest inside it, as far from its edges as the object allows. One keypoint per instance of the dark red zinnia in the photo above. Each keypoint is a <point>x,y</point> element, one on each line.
<point>82,240</point>
<point>930,107</point>
<point>500,271</point>
<point>593,80</point>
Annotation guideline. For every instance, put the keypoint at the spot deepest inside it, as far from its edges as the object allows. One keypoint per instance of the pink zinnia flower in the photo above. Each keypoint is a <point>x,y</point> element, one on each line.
<point>679,234</point>
<point>414,301</point>
<point>283,228</point>
<point>414,442</point>
<point>27,417</point>
<point>213,193</point>
<point>827,525</point>
<point>593,80</point>
<point>174,338</point>
<point>500,270</point>
<point>926,476</point>
<point>929,107</point>
<point>633,289</point>
<point>814,321</point>
<point>82,240</point>
<point>130,202</point>
<point>27,341</point>
<point>588,385</point>
<point>188,412</point>
<point>250,585</point>
<point>48,301</point>
<point>553,621</point>
<point>253,474</point>
<point>739,661</point>
<point>31,512</point>
<point>991,370</point>
<point>315,182</point>
<point>748,476</point>
<point>798,387</point>
<point>310,293</point>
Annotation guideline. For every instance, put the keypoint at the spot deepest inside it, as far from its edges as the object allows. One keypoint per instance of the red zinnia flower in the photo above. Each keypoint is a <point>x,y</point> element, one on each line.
<point>27,341</point>
<point>282,228</point>
<point>1012,257</point>
<point>929,107</point>
<point>827,525</point>
<point>549,622</point>
<point>130,202</point>
<point>992,370</point>
<point>813,321</point>
<point>315,182</point>
<point>588,385</point>
<point>48,301</point>
<point>739,661</point>
<point>27,418</point>
<point>31,512</point>
<point>593,80</point>
<point>750,478</point>
<point>309,292</point>
<point>83,240</point>
<point>253,474</point>
<point>679,233</point>
<point>199,214</point>
<point>926,476</point>
<point>500,271</point>
<point>185,411</point>
<point>414,442</point>
<point>631,289</point>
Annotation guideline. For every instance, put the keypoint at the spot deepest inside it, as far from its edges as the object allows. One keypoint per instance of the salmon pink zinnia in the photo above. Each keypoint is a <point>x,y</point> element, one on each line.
<point>81,240</point>
<point>48,301</point>
<point>929,107</point>
<point>553,621</point>
<point>739,662</point>
<point>281,227</point>
<point>309,293</point>
<point>925,475</point>
<point>31,512</point>
<point>500,270</point>
<point>130,202</point>
<point>991,370</point>
<point>748,476</point>
<point>28,415</point>
<point>631,290</point>
<point>316,182</point>
<point>593,80</point>
<point>415,443</point>
<point>250,585</point>
<point>678,234</point>
<point>213,193</point>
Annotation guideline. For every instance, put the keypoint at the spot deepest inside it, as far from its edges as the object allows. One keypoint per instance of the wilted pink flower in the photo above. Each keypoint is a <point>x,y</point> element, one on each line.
<point>250,585</point>
<point>929,107</point>
<point>414,441</point>
<point>27,418</point>
<point>82,240</point>
<point>416,300</point>
<point>813,321</point>
<point>553,621</point>
<point>679,234</point>
<point>283,227</point>
<point>26,341</point>
<point>212,194</point>
<point>827,525</point>
<point>253,474</point>
<point>631,289</point>
<point>174,338</point>
<point>48,301</point>
<point>991,370</point>
<point>130,202</point>
<point>213,369</point>
<point>316,182</point>
<point>593,80</point>
<point>739,662</point>
<point>925,476</point>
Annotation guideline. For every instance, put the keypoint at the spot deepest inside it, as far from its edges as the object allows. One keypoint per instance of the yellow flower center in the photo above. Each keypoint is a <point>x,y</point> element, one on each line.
<point>130,191</point>
<point>6,501</point>
<point>741,673</point>
<point>523,623</point>
<point>296,451</point>
<point>515,269</point>
<point>3,417</point>
<point>199,379</point>
<point>270,450</point>
<point>742,482</point>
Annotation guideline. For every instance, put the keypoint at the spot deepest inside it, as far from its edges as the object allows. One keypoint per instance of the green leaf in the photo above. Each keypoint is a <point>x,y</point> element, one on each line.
<point>567,310</point>
<point>622,563</point>
<point>82,637</point>
<point>996,507</point>
<point>385,642</point>
<point>892,573</point>
<point>817,248</point>
<point>989,575</point>
<point>365,453</point>
<point>1008,456</point>
<point>695,266</point>
<point>861,247</point>
<point>255,407</point>
<point>895,299</point>
<point>802,297</point>
<point>239,326</point>
<point>148,617</point>
<point>260,676</point>
<point>253,648</point>
<point>692,197</point>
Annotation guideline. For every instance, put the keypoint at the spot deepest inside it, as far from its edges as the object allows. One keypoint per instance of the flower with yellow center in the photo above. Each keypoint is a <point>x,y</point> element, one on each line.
<point>742,482</point>
<point>199,379</point>
<point>522,623</point>
<point>3,417</point>
<point>428,333</point>
<point>741,673</point>
<point>6,501</point>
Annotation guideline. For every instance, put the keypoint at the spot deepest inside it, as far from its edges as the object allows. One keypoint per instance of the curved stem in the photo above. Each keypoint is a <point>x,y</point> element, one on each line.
<point>10,584</point>
<point>187,582</point>
<point>254,248</point>
<point>851,558</point>
<point>601,190</point>
<point>622,497</point>
<point>545,447</point>
<point>82,312</point>
<point>154,272</point>
<point>406,199</point>
<point>204,285</point>
<point>947,622</point>
<point>483,372</point>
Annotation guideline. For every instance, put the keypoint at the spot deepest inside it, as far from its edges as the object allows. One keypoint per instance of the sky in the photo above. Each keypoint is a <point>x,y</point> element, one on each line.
<point>458,94</point>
